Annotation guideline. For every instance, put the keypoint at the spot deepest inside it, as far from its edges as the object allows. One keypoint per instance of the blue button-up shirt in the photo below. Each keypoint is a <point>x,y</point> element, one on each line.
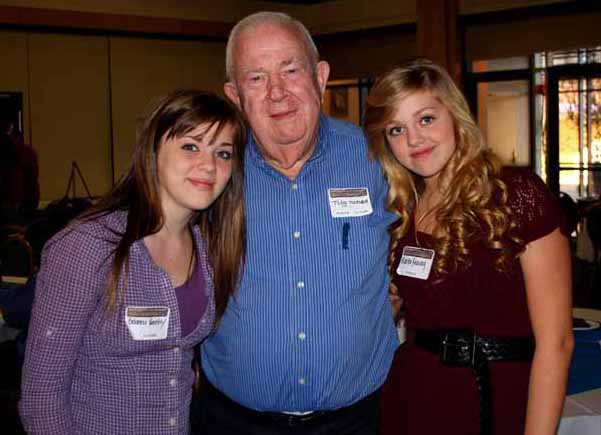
<point>311,326</point>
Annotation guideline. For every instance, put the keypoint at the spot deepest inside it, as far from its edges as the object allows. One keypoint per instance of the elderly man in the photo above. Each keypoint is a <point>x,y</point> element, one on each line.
<point>308,340</point>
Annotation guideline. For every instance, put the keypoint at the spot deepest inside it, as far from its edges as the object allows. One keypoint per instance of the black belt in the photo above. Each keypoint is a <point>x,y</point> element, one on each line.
<point>283,419</point>
<point>464,348</point>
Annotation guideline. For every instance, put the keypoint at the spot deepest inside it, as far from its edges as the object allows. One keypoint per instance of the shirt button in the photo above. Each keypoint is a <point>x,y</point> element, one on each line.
<point>296,234</point>
<point>302,336</point>
<point>300,284</point>
<point>172,421</point>
<point>176,349</point>
<point>294,186</point>
<point>173,382</point>
<point>301,381</point>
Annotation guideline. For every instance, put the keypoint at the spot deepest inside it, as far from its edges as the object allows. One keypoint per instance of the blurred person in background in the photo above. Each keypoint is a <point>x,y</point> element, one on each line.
<point>19,186</point>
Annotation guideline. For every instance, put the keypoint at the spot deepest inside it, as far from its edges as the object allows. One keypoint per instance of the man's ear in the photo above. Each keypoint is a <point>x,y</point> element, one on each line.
<point>231,91</point>
<point>322,72</point>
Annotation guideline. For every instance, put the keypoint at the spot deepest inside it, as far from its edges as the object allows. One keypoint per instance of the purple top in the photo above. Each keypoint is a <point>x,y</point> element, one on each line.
<point>191,300</point>
<point>84,371</point>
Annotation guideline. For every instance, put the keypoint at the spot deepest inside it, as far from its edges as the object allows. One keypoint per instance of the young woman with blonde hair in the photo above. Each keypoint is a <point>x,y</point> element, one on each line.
<point>126,291</point>
<point>479,258</point>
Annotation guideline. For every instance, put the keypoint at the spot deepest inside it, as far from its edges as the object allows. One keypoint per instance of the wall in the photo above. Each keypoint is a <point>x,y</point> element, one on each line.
<point>144,69</point>
<point>522,34</point>
<point>74,85</point>
<point>491,29</point>
<point>334,16</point>
<point>367,53</point>
<point>83,90</point>
<point>13,46</point>
<point>222,10</point>
<point>68,92</point>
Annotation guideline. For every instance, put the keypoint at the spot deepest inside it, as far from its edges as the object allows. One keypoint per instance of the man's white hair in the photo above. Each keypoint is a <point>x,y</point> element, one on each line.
<point>261,18</point>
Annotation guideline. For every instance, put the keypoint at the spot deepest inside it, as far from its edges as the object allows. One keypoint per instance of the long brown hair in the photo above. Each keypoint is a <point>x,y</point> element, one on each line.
<point>475,199</point>
<point>222,224</point>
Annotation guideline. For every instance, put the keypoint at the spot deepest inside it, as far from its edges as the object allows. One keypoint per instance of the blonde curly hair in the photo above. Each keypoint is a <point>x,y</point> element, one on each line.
<point>475,199</point>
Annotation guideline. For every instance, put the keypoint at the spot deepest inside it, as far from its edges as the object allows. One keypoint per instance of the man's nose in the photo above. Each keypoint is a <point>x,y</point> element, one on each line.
<point>277,89</point>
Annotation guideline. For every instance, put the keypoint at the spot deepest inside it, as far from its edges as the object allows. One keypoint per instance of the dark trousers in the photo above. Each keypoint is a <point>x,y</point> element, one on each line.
<point>212,413</point>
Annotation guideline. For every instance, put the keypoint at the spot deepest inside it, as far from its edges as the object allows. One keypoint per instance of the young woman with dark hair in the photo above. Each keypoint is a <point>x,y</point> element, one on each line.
<point>127,290</point>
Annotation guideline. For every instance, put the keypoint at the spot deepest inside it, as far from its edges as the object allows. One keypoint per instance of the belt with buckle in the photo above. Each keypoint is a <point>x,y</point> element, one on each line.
<point>465,348</point>
<point>291,420</point>
<point>283,419</point>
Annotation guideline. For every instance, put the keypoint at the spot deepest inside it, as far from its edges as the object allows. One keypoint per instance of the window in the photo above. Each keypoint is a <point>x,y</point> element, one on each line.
<point>557,97</point>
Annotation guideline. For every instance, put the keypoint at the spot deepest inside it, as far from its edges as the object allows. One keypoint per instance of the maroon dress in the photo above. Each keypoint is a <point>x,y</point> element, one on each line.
<point>421,395</point>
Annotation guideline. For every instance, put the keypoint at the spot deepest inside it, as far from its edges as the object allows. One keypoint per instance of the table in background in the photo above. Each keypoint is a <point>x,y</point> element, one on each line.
<point>16,302</point>
<point>587,313</point>
<point>582,414</point>
<point>14,279</point>
<point>582,409</point>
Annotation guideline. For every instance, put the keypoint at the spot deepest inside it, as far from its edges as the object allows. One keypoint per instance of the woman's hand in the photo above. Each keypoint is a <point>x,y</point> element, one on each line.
<point>396,303</point>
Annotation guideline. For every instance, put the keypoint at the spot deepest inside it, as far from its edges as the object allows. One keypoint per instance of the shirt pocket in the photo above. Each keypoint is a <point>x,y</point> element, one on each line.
<point>360,251</point>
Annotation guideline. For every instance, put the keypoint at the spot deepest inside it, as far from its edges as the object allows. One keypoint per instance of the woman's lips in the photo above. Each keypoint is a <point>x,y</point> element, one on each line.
<point>201,184</point>
<point>421,153</point>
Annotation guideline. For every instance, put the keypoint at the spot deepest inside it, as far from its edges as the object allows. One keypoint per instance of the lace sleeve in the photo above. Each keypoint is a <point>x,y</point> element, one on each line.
<point>535,208</point>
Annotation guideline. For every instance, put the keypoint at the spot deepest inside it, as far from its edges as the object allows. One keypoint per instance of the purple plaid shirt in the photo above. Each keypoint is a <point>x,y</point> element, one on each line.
<point>83,371</point>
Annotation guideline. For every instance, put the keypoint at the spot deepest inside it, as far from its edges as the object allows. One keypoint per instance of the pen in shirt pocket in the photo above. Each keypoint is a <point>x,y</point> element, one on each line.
<point>346,227</point>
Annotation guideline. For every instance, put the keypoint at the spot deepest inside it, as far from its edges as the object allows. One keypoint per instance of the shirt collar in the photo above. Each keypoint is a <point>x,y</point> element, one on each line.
<point>318,153</point>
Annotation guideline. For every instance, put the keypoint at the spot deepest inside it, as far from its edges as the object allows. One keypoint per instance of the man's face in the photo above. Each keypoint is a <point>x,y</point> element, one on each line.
<point>278,88</point>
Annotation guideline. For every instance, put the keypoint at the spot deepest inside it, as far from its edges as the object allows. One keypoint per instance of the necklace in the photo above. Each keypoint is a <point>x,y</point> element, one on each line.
<point>191,261</point>
<point>419,216</point>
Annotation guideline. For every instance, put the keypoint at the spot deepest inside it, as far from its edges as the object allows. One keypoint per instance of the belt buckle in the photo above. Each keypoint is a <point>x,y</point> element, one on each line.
<point>294,420</point>
<point>291,420</point>
<point>458,348</point>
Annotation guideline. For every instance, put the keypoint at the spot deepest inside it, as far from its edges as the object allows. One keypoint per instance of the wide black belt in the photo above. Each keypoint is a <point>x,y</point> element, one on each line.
<point>465,348</point>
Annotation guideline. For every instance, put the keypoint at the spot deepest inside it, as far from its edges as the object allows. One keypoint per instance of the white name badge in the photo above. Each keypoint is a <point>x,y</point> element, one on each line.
<point>415,262</point>
<point>350,202</point>
<point>147,323</point>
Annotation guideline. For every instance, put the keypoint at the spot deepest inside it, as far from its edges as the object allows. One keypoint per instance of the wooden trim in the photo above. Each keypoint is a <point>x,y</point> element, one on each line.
<point>15,16</point>
<point>437,34</point>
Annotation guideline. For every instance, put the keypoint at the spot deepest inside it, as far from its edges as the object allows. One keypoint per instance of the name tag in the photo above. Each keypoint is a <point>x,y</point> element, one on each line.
<point>415,262</point>
<point>349,202</point>
<point>147,323</point>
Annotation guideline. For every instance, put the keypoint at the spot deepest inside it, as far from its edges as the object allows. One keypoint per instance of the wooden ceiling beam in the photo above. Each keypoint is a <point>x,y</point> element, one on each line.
<point>437,34</point>
<point>26,17</point>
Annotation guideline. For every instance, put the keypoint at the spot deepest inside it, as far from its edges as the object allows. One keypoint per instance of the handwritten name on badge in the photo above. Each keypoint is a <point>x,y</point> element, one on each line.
<point>147,323</point>
<point>349,202</point>
<point>415,262</point>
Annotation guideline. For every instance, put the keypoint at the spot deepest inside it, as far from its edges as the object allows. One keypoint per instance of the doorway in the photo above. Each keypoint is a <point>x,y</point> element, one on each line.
<point>11,108</point>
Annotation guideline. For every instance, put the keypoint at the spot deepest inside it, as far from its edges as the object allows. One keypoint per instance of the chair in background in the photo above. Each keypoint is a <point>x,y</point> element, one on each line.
<point>583,254</point>
<point>570,211</point>
<point>593,217</point>
<point>16,256</point>
<point>593,225</point>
